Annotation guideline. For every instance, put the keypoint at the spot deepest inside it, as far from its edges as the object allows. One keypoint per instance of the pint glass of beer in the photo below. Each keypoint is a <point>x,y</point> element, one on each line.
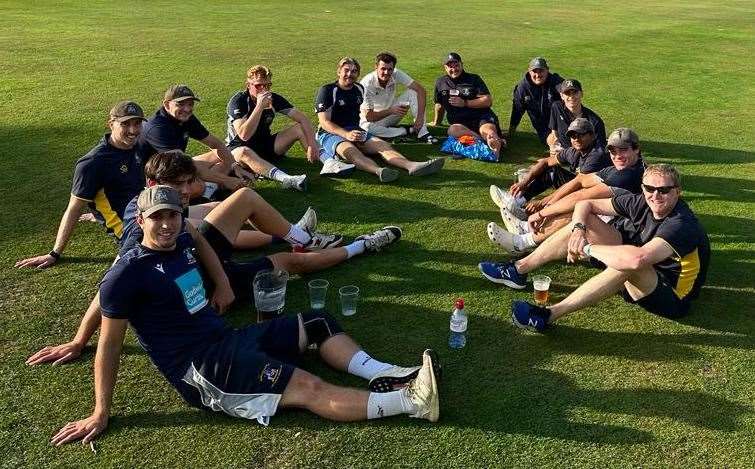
<point>541,284</point>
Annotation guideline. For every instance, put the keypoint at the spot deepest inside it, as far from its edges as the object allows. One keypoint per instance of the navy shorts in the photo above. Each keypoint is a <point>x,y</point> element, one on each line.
<point>240,273</point>
<point>475,124</point>
<point>662,301</point>
<point>244,373</point>
<point>262,146</point>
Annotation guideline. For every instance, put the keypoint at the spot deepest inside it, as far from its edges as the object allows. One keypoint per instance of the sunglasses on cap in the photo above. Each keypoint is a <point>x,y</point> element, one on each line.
<point>661,189</point>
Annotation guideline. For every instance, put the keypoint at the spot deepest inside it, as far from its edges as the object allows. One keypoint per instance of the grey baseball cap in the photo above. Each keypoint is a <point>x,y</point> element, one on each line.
<point>537,62</point>
<point>580,125</point>
<point>623,137</point>
<point>126,110</point>
<point>179,93</point>
<point>451,57</point>
<point>157,198</point>
<point>570,84</point>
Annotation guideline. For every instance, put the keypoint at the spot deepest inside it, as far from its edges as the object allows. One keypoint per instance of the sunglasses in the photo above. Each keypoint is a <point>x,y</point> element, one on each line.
<point>577,134</point>
<point>262,86</point>
<point>661,190</point>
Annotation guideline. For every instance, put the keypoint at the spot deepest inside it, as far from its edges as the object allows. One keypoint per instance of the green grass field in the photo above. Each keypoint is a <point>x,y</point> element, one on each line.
<point>609,386</point>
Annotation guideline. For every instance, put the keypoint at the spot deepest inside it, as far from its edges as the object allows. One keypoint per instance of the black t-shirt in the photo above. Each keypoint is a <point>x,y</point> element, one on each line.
<point>686,269</point>
<point>241,106</point>
<point>344,104</point>
<point>561,117</point>
<point>629,179</point>
<point>162,295</point>
<point>594,159</point>
<point>108,178</point>
<point>466,86</point>
<point>164,132</point>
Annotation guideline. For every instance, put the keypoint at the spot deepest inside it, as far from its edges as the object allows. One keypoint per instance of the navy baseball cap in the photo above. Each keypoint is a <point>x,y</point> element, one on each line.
<point>569,85</point>
<point>537,62</point>
<point>126,110</point>
<point>580,125</point>
<point>451,57</point>
<point>179,93</point>
<point>157,198</point>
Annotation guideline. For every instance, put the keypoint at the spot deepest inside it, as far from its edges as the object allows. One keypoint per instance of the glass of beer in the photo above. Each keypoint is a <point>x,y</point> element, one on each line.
<point>541,284</point>
<point>269,288</point>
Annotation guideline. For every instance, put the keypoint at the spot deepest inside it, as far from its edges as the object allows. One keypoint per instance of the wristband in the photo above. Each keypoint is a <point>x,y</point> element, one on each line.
<point>587,250</point>
<point>54,254</point>
<point>579,226</point>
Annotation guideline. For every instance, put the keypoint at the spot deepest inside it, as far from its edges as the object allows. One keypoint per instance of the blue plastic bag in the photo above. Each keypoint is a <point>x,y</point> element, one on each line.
<point>477,151</point>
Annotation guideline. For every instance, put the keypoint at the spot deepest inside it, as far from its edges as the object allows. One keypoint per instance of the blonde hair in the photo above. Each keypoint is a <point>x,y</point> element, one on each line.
<point>663,169</point>
<point>259,71</point>
<point>348,61</point>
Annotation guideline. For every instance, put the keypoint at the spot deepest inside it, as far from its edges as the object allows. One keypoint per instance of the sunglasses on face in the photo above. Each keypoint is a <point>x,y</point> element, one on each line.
<point>262,86</point>
<point>661,189</point>
<point>576,135</point>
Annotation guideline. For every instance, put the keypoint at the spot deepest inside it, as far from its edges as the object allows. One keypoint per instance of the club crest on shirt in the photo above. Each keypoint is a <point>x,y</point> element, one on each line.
<point>190,259</point>
<point>269,119</point>
<point>341,102</point>
<point>124,169</point>
<point>270,373</point>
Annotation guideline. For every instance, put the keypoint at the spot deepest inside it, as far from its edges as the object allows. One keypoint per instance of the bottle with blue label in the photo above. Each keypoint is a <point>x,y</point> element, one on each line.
<point>458,337</point>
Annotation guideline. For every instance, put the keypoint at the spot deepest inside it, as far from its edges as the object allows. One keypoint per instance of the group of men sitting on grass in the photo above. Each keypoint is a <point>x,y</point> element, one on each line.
<point>174,271</point>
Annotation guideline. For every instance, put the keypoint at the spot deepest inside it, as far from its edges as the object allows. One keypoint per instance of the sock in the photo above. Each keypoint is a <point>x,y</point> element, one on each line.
<point>365,366</point>
<point>296,235</point>
<point>520,201</point>
<point>324,158</point>
<point>525,241</point>
<point>277,175</point>
<point>354,249</point>
<point>386,404</point>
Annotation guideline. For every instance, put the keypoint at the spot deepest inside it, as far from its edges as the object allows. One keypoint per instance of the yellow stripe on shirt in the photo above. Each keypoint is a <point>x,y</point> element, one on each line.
<point>112,221</point>
<point>690,268</point>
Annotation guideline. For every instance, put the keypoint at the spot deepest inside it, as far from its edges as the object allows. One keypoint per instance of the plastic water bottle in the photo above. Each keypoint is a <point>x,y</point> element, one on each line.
<point>458,337</point>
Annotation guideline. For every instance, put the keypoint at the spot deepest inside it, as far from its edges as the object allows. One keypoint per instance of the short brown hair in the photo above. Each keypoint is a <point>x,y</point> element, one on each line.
<point>386,57</point>
<point>259,71</point>
<point>663,169</point>
<point>168,166</point>
<point>349,61</point>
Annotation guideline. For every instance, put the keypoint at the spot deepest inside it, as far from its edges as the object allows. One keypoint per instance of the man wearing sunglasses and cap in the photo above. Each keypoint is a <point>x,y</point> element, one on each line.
<point>535,95</point>
<point>105,180</point>
<point>250,115</point>
<point>570,107</point>
<point>170,129</point>
<point>466,101</point>
<point>655,252</point>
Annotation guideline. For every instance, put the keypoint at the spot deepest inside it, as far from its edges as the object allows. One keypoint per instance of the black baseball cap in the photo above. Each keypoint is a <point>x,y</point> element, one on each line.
<point>126,110</point>
<point>569,85</point>
<point>451,57</point>
<point>537,62</point>
<point>580,125</point>
<point>179,93</point>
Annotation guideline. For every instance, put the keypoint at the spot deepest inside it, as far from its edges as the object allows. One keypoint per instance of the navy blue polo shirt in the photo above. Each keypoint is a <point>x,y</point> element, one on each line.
<point>561,117</point>
<point>241,106</point>
<point>107,178</point>
<point>686,269</point>
<point>162,295</point>
<point>629,179</point>
<point>594,159</point>
<point>469,86</point>
<point>536,101</point>
<point>343,104</point>
<point>164,132</point>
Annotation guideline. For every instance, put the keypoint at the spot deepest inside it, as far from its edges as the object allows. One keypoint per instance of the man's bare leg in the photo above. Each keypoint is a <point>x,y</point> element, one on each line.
<point>394,158</point>
<point>303,262</point>
<point>245,204</point>
<point>286,138</point>
<point>252,160</point>
<point>353,155</point>
<point>342,404</point>
<point>458,130</point>
<point>489,133</point>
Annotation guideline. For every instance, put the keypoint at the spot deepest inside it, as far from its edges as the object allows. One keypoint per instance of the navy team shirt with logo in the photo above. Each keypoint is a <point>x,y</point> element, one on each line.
<point>594,159</point>
<point>343,104</point>
<point>629,179</point>
<point>241,106</point>
<point>470,86</point>
<point>561,117</point>
<point>686,269</point>
<point>164,132</point>
<point>107,178</point>
<point>536,101</point>
<point>162,296</point>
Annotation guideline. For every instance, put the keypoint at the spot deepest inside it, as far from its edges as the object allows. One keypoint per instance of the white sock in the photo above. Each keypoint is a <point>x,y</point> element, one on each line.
<point>365,366</point>
<point>520,201</point>
<point>524,225</point>
<point>354,249</point>
<point>524,241</point>
<point>277,175</point>
<point>386,404</point>
<point>324,158</point>
<point>297,235</point>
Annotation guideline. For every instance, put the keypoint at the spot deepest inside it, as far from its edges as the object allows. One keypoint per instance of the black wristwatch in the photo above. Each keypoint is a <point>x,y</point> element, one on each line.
<point>54,254</point>
<point>579,226</point>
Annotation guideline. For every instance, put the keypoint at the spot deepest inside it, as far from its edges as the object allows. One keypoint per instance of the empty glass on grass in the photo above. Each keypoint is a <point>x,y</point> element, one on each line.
<point>269,293</point>
<point>318,291</point>
<point>349,296</point>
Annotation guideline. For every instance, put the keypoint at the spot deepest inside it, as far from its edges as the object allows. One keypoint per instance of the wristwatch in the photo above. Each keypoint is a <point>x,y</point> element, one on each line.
<point>54,254</point>
<point>579,226</point>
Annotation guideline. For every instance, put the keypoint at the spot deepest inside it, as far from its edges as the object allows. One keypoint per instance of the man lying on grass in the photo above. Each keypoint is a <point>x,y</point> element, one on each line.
<point>156,287</point>
<point>655,253</point>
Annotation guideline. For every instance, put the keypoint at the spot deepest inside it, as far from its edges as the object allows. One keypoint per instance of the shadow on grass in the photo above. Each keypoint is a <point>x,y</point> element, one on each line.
<point>683,154</point>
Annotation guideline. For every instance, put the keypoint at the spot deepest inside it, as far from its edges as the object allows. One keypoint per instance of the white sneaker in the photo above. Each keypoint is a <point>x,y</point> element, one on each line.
<point>428,167</point>
<point>513,224</point>
<point>376,241</point>
<point>393,379</point>
<point>320,241</point>
<point>336,169</point>
<point>505,200</point>
<point>427,138</point>
<point>422,392</point>
<point>298,183</point>
<point>308,221</point>
<point>387,174</point>
<point>502,238</point>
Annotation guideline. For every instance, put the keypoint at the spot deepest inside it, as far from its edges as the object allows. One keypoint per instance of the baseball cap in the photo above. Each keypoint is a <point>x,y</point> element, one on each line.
<point>623,137</point>
<point>537,62</point>
<point>569,84</point>
<point>451,57</point>
<point>126,110</point>
<point>580,125</point>
<point>179,93</point>
<point>158,197</point>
